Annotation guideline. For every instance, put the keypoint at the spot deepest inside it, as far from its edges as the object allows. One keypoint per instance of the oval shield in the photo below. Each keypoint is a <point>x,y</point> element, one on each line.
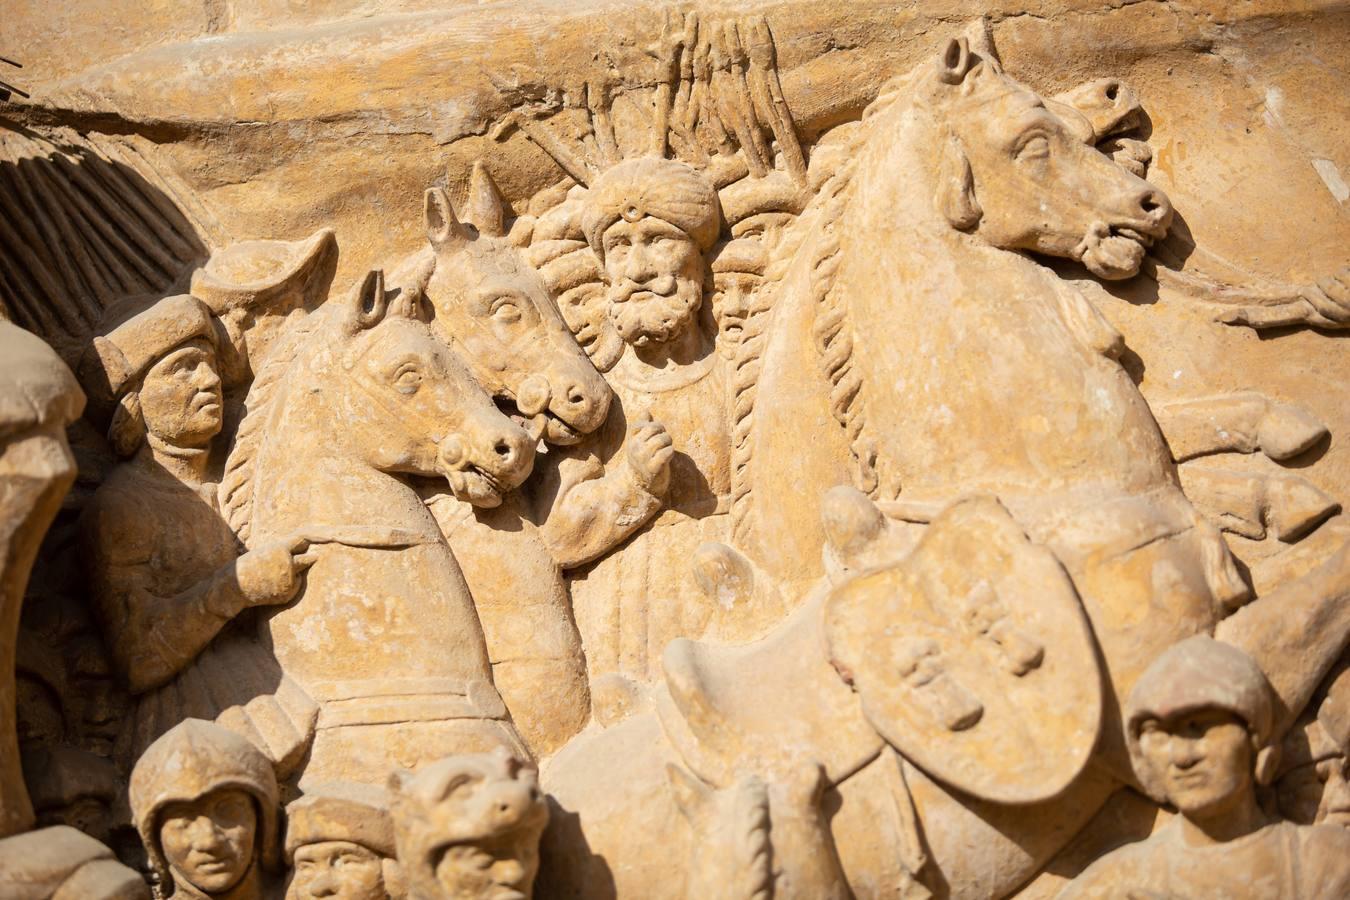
<point>973,657</point>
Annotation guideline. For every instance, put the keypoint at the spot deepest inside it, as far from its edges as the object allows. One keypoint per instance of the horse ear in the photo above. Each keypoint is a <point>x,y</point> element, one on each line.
<point>368,302</point>
<point>956,188</point>
<point>438,215</point>
<point>955,61</point>
<point>979,40</point>
<point>486,209</point>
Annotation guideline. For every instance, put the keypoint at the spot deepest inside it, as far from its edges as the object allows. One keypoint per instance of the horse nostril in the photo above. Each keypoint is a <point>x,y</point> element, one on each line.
<point>1154,205</point>
<point>1112,91</point>
<point>576,397</point>
<point>503,448</point>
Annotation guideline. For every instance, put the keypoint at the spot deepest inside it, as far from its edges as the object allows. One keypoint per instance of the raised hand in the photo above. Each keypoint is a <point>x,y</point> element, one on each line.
<point>649,453</point>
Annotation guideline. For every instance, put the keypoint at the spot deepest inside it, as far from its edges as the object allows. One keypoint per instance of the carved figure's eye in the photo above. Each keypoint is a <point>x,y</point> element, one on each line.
<point>1034,146</point>
<point>408,378</point>
<point>506,310</point>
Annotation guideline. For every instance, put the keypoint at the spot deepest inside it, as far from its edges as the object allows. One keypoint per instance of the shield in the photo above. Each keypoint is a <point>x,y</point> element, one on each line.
<point>973,657</point>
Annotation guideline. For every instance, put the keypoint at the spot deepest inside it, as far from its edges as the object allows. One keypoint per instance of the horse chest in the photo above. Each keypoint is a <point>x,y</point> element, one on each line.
<point>993,393</point>
<point>400,611</point>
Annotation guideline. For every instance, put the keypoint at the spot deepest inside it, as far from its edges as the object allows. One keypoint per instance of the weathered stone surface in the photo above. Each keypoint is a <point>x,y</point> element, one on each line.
<point>798,450</point>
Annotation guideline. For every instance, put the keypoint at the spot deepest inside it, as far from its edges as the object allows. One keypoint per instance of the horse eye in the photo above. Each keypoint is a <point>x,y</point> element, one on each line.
<point>1035,147</point>
<point>506,311</point>
<point>408,379</point>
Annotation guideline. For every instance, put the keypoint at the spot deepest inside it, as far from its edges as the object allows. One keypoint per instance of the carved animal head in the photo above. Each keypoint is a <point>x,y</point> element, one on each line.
<point>414,407</point>
<point>1013,172</point>
<point>469,826</point>
<point>496,310</point>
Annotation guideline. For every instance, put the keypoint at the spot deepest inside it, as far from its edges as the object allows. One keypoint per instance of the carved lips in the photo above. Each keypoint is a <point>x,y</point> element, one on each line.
<point>1113,251</point>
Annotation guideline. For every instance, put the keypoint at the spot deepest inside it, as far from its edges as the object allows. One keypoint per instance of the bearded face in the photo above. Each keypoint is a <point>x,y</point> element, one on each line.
<point>655,280</point>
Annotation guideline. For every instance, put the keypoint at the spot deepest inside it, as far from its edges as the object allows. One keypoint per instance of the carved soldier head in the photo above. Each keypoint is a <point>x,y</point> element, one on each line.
<point>159,369</point>
<point>205,803</point>
<point>1314,784</point>
<point>1200,721</point>
<point>468,827</point>
<point>340,844</point>
<point>650,221</point>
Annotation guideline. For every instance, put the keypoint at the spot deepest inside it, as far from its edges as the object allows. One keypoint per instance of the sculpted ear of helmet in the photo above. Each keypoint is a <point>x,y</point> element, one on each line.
<point>469,827</point>
<point>205,802</point>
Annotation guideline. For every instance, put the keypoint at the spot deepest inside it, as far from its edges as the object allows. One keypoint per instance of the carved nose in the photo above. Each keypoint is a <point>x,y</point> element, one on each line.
<point>512,455</point>
<point>1155,207</point>
<point>581,406</point>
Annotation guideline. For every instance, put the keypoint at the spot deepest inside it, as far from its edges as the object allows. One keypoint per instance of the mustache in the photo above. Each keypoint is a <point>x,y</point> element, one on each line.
<point>661,286</point>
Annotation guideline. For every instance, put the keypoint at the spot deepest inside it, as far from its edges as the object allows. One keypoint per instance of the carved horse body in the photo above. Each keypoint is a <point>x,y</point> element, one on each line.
<point>492,306</point>
<point>373,395</point>
<point>956,366</point>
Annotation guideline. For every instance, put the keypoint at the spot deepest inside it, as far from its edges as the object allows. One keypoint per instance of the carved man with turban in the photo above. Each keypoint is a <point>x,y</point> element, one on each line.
<point>651,223</point>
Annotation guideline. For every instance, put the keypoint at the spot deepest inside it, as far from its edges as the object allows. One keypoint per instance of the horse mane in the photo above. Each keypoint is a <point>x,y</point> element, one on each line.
<point>753,844</point>
<point>816,231</point>
<point>238,486</point>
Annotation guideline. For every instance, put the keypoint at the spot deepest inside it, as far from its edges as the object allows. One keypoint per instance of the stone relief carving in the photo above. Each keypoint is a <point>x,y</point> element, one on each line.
<point>703,474</point>
<point>340,842</point>
<point>469,826</point>
<point>1200,725</point>
<point>206,804</point>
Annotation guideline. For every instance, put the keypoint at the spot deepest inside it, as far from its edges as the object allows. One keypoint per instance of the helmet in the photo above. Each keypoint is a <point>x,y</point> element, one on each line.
<point>190,760</point>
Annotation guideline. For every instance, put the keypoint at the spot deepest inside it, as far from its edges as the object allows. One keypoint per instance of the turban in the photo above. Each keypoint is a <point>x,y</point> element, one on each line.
<point>663,188</point>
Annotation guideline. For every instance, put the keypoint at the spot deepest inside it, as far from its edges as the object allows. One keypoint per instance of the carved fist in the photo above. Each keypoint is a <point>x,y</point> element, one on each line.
<point>649,452</point>
<point>270,574</point>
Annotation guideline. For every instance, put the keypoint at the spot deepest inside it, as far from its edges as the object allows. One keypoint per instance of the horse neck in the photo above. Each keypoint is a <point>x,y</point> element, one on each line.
<point>895,215</point>
<point>313,472</point>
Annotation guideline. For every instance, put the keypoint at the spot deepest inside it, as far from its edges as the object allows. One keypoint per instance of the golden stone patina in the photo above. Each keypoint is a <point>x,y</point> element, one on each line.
<point>788,450</point>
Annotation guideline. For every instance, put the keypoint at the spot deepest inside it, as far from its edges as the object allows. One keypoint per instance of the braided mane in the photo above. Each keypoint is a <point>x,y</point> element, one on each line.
<point>755,877</point>
<point>238,486</point>
<point>815,233</point>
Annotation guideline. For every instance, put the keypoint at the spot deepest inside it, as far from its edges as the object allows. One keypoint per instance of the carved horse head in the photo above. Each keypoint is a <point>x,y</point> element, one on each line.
<point>1022,177</point>
<point>494,307</point>
<point>422,409</point>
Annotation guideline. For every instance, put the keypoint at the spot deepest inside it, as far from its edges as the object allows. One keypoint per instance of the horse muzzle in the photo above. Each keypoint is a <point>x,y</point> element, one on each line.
<point>482,469</point>
<point>571,403</point>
